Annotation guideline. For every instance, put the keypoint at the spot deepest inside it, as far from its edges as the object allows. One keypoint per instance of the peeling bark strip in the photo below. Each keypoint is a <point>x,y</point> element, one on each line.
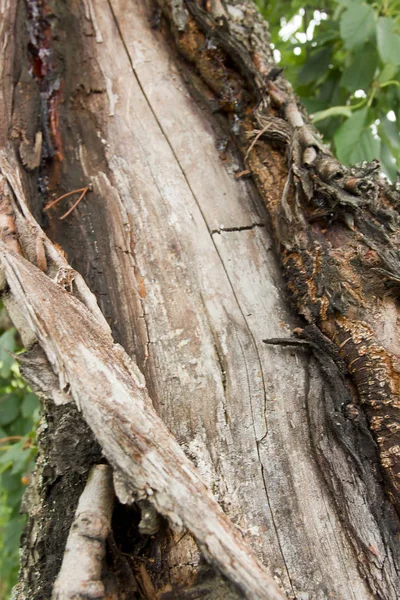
<point>337,227</point>
<point>81,569</point>
<point>110,391</point>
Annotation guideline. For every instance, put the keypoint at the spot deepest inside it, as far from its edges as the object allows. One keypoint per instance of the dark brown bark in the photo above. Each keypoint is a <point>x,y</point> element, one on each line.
<point>177,250</point>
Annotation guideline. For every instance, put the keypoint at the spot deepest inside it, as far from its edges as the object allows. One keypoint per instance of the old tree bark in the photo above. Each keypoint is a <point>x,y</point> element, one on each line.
<point>212,329</point>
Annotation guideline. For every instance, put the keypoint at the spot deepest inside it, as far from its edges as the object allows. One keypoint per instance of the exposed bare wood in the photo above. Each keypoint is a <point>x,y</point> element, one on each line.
<point>81,569</point>
<point>110,391</point>
<point>178,252</point>
<point>333,291</point>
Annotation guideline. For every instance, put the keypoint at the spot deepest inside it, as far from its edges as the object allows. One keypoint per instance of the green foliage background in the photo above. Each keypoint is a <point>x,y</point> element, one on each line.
<point>346,71</point>
<point>19,416</point>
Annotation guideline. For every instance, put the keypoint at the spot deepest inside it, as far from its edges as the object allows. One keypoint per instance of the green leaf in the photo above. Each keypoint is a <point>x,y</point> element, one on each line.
<point>352,126</point>
<point>328,128</point>
<point>7,345</point>
<point>330,92</point>
<point>331,112</point>
<point>316,66</point>
<point>327,31</point>
<point>360,72</point>
<point>357,25</point>
<point>19,426</point>
<point>10,482</point>
<point>346,2</point>
<point>387,161</point>
<point>390,149</point>
<point>15,457</point>
<point>367,148</point>
<point>388,41</point>
<point>12,532</point>
<point>389,130</point>
<point>29,404</point>
<point>9,408</point>
<point>388,73</point>
<point>354,140</point>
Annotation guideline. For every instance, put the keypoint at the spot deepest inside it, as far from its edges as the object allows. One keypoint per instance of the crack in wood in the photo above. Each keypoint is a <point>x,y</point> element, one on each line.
<point>223,229</point>
<point>322,205</point>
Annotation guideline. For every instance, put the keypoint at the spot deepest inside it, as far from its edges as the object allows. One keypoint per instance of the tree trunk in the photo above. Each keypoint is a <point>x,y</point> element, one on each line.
<point>205,180</point>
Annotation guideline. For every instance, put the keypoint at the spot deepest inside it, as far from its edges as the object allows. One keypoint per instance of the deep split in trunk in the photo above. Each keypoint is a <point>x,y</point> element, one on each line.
<point>206,181</point>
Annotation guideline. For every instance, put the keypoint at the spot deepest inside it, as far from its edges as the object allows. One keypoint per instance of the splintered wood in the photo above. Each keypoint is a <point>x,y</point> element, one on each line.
<point>180,254</point>
<point>110,390</point>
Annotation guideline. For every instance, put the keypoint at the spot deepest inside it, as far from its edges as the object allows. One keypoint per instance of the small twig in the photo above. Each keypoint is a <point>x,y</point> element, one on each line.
<point>83,191</point>
<point>53,202</point>
<point>11,438</point>
<point>242,174</point>
<point>76,203</point>
<point>259,133</point>
<point>287,342</point>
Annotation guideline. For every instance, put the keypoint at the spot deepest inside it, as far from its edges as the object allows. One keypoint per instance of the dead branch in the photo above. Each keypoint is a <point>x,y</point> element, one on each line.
<point>110,391</point>
<point>80,574</point>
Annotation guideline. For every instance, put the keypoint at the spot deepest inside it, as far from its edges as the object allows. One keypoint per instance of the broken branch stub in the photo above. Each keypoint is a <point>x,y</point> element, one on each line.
<point>80,573</point>
<point>110,391</point>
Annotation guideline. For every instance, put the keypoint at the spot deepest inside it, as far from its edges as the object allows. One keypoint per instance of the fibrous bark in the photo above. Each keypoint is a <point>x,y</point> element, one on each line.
<point>177,250</point>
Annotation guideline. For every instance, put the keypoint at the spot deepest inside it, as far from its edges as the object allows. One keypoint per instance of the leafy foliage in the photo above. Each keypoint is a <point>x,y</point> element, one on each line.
<point>343,60</point>
<point>19,415</point>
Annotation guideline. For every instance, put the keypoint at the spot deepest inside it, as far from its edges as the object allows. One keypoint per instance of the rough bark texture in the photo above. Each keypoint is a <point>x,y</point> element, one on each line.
<point>148,463</point>
<point>151,107</point>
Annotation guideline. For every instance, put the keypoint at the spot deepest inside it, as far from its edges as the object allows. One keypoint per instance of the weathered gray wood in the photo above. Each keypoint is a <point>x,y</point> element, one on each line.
<point>252,377</point>
<point>109,389</point>
<point>187,276</point>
